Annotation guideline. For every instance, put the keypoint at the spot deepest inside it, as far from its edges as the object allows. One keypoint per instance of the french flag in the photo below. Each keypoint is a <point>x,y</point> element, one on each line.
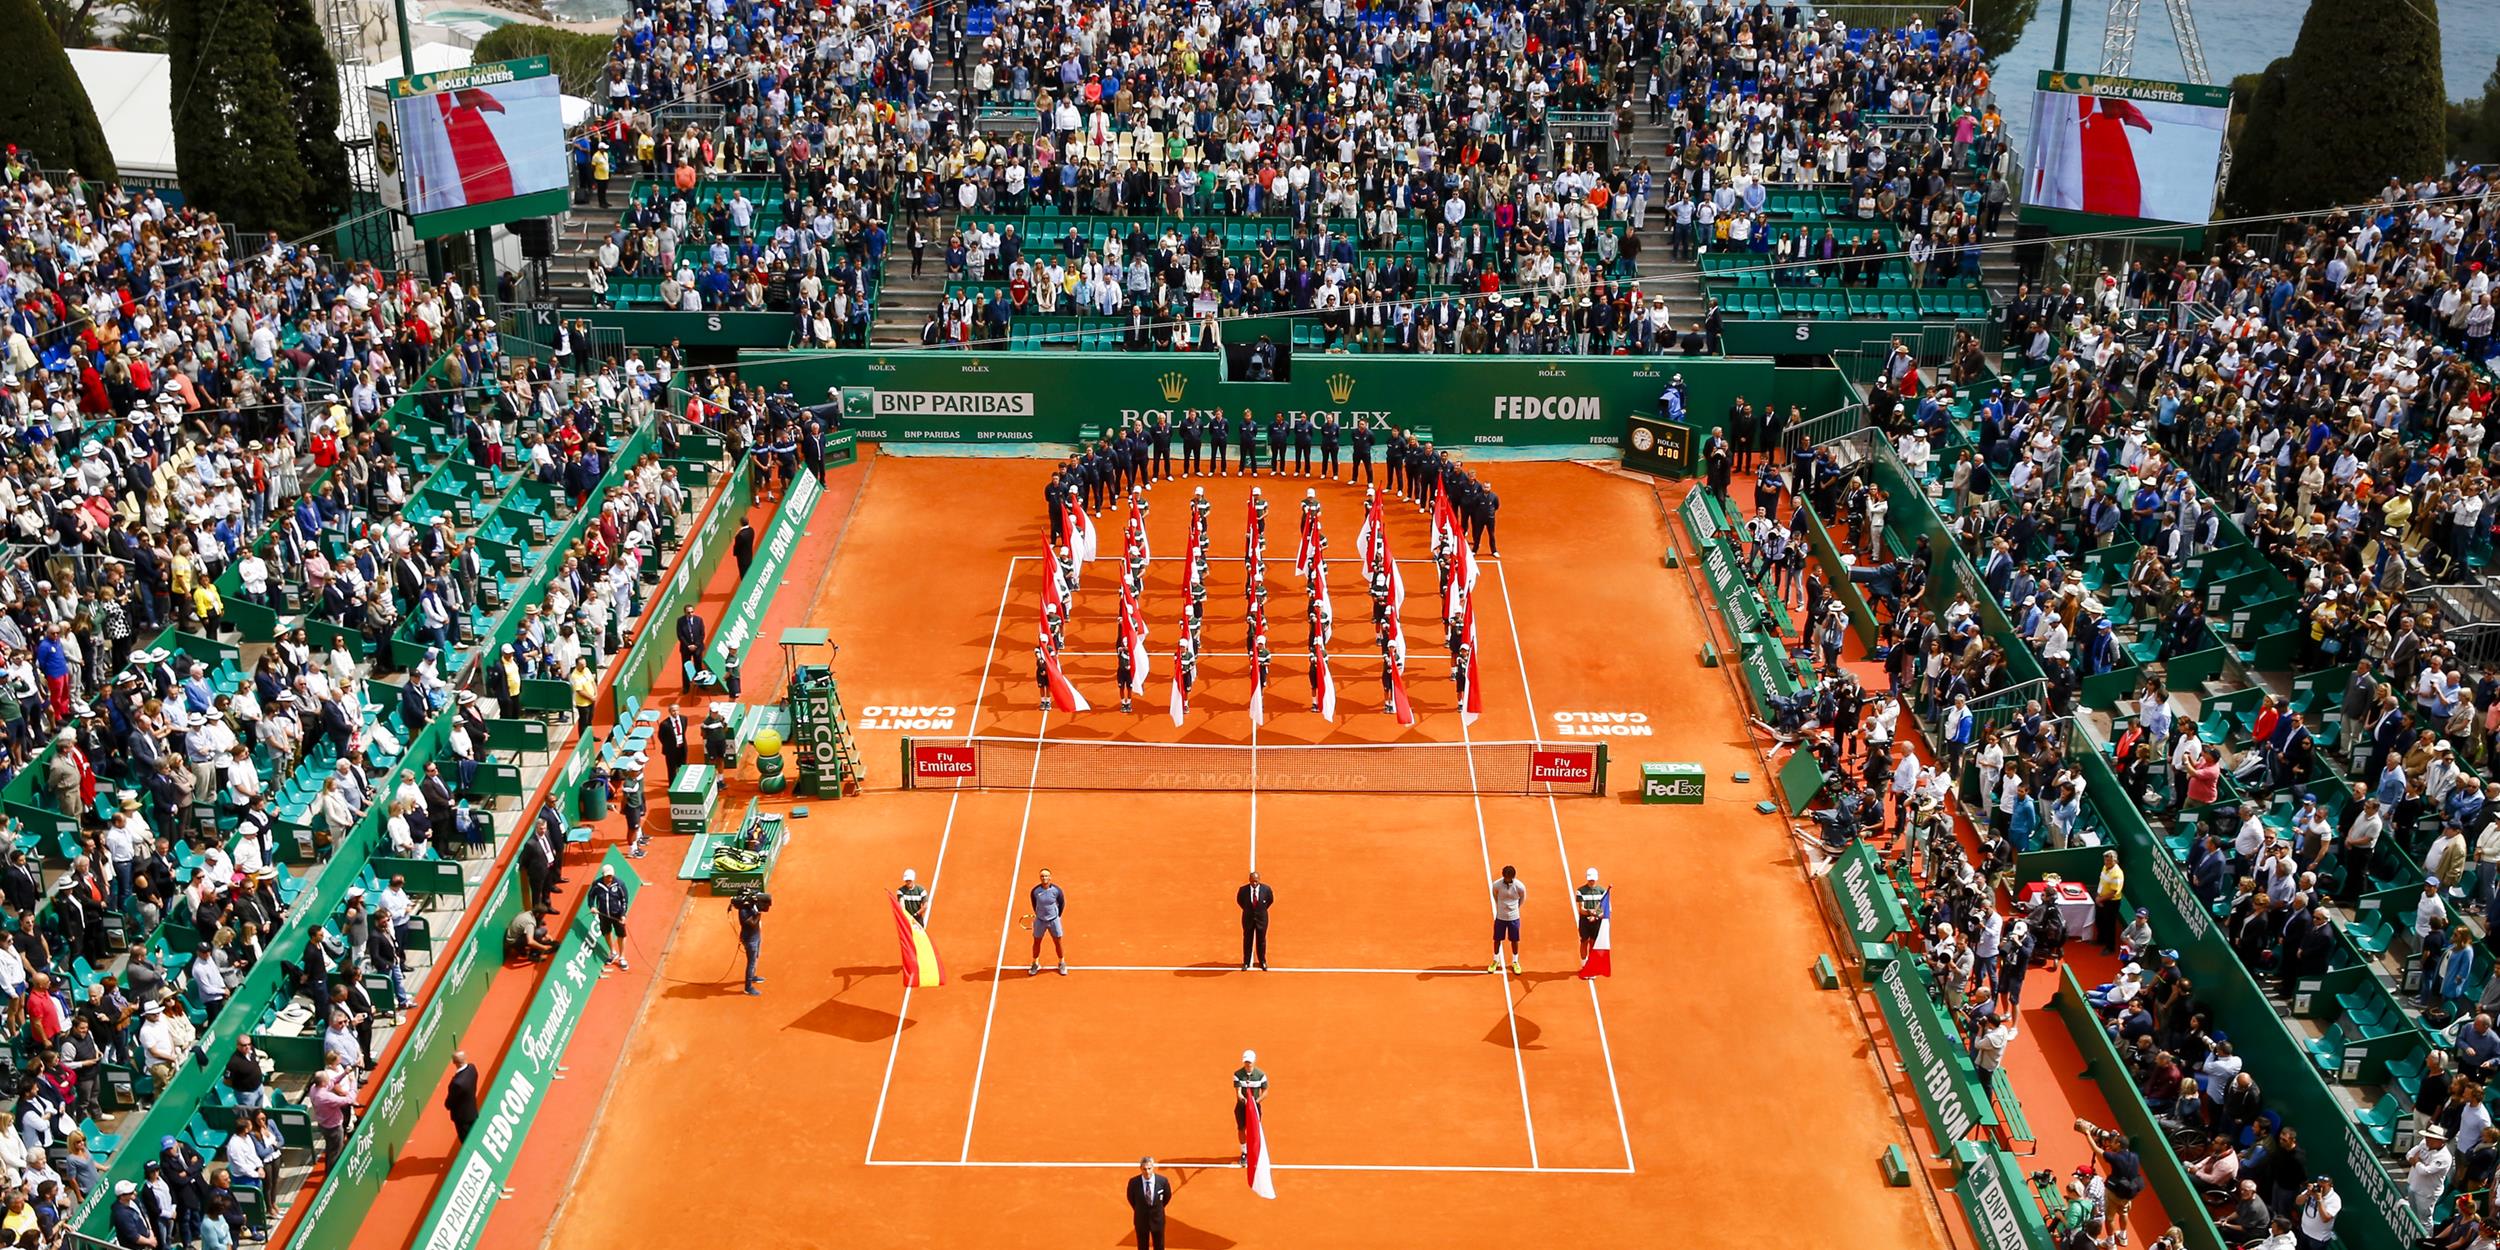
<point>1261,1171</point>
<point>1601,960</point>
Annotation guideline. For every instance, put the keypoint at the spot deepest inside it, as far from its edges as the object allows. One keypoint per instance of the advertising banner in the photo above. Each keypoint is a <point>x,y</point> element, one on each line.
<point>1865,898</point>
<point>1997,1200</point>
<point>1947,1085</point>
<point>1466,401</point>
<point>1573,768</point>
<point>933,762</point>
<point>763,580</point>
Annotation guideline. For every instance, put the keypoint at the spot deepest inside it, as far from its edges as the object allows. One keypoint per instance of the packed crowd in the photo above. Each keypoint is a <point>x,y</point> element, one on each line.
<point>188,425</point>
<point>1420,195</point>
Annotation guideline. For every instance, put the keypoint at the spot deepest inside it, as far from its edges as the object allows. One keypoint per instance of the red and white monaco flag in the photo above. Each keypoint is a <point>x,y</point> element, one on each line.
<point>1474,706</point>
<point>1137,521</point>
<point>1397,694</point>
<point>1136,631</point>
<point>1258,698</point>
<point>1061,692</point>
<point>1080,536</point>
<point>1327,690</point>
<point>1180,698</point>
<point>1261,1171</point>
<point>1302,552</point>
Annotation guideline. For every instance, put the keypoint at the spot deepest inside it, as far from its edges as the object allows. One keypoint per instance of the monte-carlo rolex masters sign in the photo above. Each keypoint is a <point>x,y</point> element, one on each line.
<point>1467,401</point>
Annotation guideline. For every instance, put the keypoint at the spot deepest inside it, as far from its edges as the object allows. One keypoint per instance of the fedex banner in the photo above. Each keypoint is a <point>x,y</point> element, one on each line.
<point>932,763</point>
<point>1572,768</point>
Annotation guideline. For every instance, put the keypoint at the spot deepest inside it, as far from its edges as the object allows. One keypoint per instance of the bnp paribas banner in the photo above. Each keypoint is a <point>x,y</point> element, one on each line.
<point>1466,401</point>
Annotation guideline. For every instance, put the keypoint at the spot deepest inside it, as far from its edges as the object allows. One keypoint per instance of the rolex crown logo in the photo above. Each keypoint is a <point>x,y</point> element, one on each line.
<point>1340,387</point>
<point>1173,385</point>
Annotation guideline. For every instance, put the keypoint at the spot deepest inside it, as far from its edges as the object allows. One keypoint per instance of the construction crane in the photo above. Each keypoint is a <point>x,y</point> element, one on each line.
<point>2118,39</point>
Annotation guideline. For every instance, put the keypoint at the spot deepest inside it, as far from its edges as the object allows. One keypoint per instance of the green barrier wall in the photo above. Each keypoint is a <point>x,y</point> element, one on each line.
<point>348,1192</point>
<point>1996,1200</point>
<point>1865,899</point>
<point>483,1163</point>
<point>2375,1210</point>
<point>250,1001</point>
<point>1553,402</point>
<point>715,332</point>
<point>655,648</point>
<point>736,631</point>
<point>1947,1084</point>
<point>2163,1170</point>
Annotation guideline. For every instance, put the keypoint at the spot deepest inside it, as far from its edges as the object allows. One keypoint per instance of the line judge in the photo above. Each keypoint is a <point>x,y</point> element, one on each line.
<point>1255,897</point>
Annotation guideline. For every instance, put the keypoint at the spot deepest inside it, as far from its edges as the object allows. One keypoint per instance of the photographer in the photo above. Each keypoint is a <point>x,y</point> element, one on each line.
<point>749,905</point>
<point>2123,1170</point>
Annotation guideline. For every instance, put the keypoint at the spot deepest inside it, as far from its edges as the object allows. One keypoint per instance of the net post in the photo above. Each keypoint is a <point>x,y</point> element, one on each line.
<point>908,779</point>
<point>1597,784</point>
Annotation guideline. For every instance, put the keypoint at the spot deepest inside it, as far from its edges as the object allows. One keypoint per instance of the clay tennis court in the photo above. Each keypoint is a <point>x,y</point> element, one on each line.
<point>1706,1093</point>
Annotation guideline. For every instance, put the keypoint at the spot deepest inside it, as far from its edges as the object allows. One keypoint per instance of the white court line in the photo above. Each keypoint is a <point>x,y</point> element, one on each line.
<point>1236,971</point>
<point>1484,846</point>
<point>1006,922</point>
<point>1131,1165</point>
<point>1554,810</point>
<point>945,833</point>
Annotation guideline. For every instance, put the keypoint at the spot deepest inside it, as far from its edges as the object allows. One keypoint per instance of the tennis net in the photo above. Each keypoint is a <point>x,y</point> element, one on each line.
<point>1354,768</point>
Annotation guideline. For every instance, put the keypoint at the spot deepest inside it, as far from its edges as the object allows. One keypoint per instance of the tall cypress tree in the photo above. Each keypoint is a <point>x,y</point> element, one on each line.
<point>2259,144</point>
<point>44,110</point>
<point>2365,100</point>
<point>311,77</point>
<point>235,135</point>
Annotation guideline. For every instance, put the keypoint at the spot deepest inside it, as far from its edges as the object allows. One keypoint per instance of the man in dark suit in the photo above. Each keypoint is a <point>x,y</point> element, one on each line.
<point>1148,1194</point>
<point>741,549</point>
<point>673,741</point>
<point>461,1099</point>
<point>1255,898</point>
<point>690,637</point>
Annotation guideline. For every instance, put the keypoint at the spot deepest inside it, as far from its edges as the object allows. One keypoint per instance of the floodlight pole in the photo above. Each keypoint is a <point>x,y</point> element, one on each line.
<point>2065,23</point>
<point>408,69</point>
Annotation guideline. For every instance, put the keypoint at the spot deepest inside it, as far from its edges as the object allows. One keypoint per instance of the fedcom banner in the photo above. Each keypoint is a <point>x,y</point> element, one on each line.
<point>1049,397</point>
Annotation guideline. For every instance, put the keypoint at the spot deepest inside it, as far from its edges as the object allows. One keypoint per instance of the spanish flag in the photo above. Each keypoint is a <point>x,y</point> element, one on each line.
<point>921,966</point>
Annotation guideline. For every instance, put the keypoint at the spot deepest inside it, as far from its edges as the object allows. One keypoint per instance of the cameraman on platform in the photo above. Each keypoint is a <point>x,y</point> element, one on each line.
<point>750,905</point>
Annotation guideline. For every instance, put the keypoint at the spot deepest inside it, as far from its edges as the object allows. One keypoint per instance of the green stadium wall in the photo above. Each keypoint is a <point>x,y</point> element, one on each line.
<point>1554,403</point>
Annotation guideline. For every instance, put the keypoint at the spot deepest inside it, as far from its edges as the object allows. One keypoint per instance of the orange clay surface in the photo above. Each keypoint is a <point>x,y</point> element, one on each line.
<point>1707,1094</point>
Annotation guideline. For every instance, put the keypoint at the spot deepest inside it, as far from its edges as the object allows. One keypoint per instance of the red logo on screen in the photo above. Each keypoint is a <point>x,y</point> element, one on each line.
<point>1562,767</point>
<point>959,762</point>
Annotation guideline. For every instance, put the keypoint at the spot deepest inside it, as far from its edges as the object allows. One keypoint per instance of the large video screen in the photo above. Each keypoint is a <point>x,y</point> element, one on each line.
<point>2126,147</point>
<point>480,146</point>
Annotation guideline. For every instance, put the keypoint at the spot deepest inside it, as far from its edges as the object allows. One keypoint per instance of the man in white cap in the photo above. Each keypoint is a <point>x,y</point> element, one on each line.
<point>914,897</point>
<point>2427,1167</point>
<point>1249,1085</point>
